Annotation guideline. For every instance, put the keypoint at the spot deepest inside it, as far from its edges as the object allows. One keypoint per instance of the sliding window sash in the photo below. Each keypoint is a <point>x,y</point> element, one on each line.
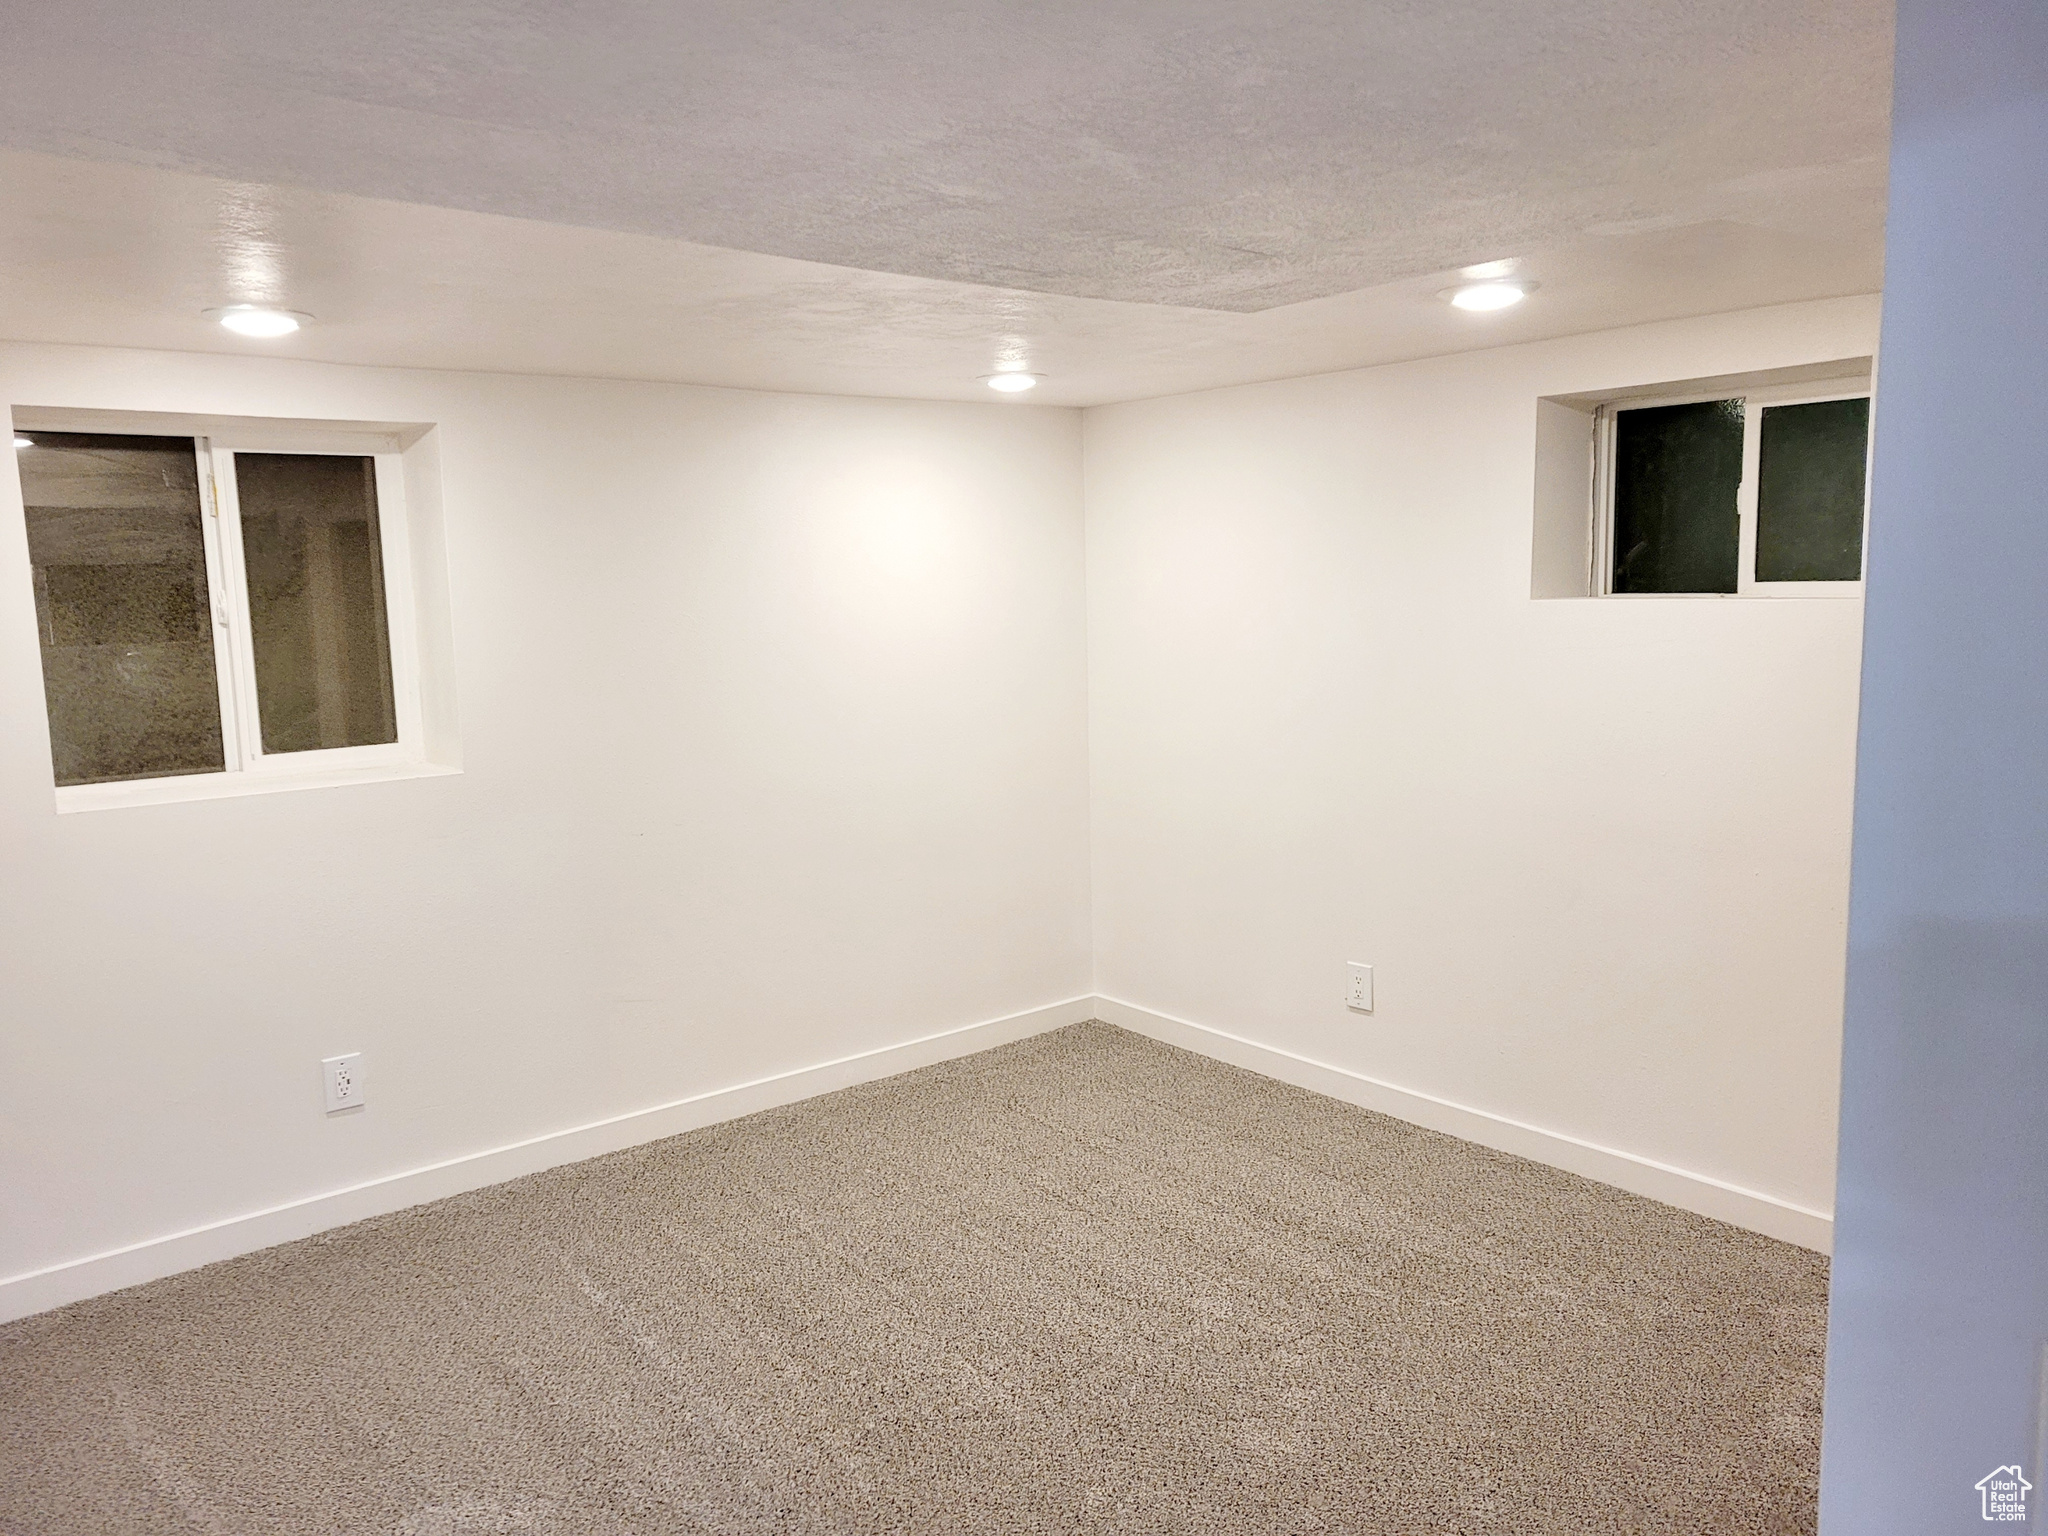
<point>241,717</point>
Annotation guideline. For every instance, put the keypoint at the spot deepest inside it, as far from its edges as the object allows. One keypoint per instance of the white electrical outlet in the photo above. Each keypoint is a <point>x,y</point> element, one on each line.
<point>342,1076</point>
<point>1358,987</point>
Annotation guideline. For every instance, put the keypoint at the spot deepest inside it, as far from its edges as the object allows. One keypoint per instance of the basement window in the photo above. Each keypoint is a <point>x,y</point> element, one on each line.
<point>1753,487</point>
<point>219,613</point>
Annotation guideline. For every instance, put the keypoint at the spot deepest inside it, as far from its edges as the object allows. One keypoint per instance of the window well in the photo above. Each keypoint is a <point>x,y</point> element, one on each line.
<point>1810,492</point>
<point>1677,478</point>
<point>118,553</point>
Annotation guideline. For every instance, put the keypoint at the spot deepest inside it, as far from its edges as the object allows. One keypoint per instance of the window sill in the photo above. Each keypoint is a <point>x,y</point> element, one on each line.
<point>226,786</point>
<point>1792,591</point>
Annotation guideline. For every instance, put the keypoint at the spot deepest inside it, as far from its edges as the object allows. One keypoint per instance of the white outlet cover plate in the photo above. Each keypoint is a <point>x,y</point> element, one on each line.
<point>342,1079</point>
<point>1358,987</point>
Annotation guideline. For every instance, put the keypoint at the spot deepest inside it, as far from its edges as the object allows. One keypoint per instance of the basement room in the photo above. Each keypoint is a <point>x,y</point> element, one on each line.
<point>1017,768</point>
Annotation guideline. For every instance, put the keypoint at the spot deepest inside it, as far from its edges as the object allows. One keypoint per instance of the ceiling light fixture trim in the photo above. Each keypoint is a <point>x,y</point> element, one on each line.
<point>1011,382</point>
<point>1491,295</point>
<point>262,321</point>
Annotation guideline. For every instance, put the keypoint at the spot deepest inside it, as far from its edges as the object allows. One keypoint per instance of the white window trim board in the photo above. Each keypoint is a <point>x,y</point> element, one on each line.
<point>186,787</point>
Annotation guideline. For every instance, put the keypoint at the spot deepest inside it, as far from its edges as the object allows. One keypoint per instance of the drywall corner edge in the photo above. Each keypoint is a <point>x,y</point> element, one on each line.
<point>1695,1192</point>
<point>58,1285</point>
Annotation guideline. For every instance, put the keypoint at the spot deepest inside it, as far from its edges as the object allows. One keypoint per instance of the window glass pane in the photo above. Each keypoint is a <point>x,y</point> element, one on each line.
<point>1809,491</point>
<point>316,600</point>
<point>1677,469</point>
<point>122,606</point>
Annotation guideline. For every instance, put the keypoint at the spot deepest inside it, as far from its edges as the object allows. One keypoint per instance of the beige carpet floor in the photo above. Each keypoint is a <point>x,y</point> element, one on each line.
<point>1086,1283</point>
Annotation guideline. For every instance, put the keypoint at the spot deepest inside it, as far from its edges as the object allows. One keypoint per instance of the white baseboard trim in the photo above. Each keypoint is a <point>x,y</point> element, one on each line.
<point>58,1285</point>
<point>1624,1170</point>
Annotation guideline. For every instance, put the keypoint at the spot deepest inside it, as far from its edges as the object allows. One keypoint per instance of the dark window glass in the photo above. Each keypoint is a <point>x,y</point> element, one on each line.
<point>1809,494</point>
<point>316,600</point>
<point>1677,469</point>
<point>122,606</point>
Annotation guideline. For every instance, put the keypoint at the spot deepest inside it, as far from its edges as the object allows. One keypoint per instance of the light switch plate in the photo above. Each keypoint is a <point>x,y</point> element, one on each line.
<point>1358,987</point>
<point>342,1077</point>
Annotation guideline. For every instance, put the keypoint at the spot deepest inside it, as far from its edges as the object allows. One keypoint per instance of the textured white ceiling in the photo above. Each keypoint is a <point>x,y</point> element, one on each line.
<point>123,256</point>
<point>1230,155</point>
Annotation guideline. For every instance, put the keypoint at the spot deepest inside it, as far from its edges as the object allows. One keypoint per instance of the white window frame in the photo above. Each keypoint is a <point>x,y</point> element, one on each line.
<point>1754,402</point>
<point>248,768</point>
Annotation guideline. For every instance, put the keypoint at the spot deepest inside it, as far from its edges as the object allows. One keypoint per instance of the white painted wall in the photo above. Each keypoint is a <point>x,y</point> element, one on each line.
<point>1597,849</point>
<point>1938,1315</point>
<point>775,715</point>
<point>773,723</point>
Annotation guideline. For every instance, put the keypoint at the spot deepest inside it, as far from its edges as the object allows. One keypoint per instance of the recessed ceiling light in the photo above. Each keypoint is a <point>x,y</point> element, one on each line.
<point>24,442</point>
<point>258,319</point>
<point>1012,383</point>
<point>1483,296</point>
